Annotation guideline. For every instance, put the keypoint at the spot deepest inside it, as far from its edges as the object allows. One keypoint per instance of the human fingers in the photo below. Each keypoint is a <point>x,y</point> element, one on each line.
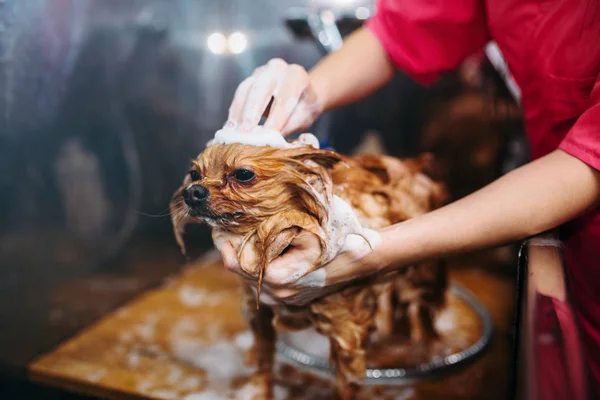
<point>304,114</point>
<point>301,258</point>
<point>236,108</point>
<point>287,97</point>
<point>264,87</point>
<point>230,259</point>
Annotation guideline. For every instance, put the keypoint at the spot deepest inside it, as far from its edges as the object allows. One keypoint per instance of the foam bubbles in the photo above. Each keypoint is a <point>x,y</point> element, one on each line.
<point>261,136</point>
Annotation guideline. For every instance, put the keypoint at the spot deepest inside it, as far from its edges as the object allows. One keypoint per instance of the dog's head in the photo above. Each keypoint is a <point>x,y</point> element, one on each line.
<point>234,187</point>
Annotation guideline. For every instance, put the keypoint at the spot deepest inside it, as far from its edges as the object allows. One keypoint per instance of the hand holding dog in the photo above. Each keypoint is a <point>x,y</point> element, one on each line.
<point>287,278</point>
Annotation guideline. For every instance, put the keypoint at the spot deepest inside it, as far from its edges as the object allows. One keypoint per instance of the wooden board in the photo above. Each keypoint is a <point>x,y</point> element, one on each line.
<point>187,339</point>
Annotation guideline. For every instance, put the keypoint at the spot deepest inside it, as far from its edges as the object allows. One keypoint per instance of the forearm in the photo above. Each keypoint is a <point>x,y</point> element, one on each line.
<point>358,69</point>
<point>532,199</point>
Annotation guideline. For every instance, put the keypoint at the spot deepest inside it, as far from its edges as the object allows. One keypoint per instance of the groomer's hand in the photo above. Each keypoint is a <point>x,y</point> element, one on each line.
<point>295,105</point>
<point>295,278</point>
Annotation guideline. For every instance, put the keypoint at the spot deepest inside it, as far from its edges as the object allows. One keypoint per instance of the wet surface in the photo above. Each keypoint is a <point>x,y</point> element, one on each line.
<point>187,340</point>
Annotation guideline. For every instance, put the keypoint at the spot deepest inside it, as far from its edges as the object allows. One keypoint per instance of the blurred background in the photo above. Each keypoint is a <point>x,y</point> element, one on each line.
<point>102,105</point>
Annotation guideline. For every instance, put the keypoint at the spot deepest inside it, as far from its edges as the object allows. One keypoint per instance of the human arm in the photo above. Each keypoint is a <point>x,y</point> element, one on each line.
<point>423,39</point>
<point>360,67</point>
<point>532,199</point>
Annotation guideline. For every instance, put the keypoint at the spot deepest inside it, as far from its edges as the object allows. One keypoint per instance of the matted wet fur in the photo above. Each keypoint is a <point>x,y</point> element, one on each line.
<point>286,194</point>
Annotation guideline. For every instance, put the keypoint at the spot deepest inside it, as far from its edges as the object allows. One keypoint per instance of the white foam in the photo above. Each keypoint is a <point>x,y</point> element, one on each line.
<point>280,392</point>
<point>174,376</point>
<point>346,233</point>
<point>190,383</point>
<point>290,273</point>
<point>316,279</point>
<point>360,246</point>
<point>244,340</point>
<point>261,136</point>
<point>309,341</point>
<point>191,296</point>
<point>247,392</point>
<point>222,361</point>
<point>133,360</point>
<point>96,376</point>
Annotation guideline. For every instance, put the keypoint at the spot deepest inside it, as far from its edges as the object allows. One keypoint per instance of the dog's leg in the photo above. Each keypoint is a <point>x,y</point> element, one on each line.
<point>434,298</point>
<point>417,331</point>
<point>346,384</point>
<point>384,319</point>
<point>347,318</point>
<point>262,353</point>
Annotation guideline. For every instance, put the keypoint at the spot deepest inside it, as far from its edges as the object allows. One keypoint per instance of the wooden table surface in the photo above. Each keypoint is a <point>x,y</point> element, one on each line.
<point>186,340</point>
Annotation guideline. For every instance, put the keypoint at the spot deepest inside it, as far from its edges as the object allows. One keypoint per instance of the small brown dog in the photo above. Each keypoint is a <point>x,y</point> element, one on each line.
<point>260,197</point>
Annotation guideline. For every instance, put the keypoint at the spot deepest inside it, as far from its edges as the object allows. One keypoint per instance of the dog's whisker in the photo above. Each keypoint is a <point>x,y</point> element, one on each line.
<point>154,215</point>
<point>180,217</point>
<point>161,214</point>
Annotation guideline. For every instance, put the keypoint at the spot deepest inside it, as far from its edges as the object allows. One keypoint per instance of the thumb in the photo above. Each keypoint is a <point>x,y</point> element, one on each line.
<point>229,256</point>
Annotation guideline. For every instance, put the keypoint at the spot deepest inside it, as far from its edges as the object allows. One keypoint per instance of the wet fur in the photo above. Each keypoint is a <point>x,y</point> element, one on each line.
<point>288,195</point>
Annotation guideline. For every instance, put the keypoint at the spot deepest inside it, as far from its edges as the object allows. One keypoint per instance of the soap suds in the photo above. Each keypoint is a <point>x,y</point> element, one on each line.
<point>308,341</point>
<point>222,361</point>
<point>280,392</point>
<point>291,273</point>
<point>261,136</point>
<point>191,296</point>
<point>96,376</point>
<point>133,360</point>
<point>145,330</point>
<point>175,374</point>
<point>315,279</point>
<point>247,392</point>
<point>221,358</point>
<point>190,383</point>
<point>343,228</point>
<point>343,222</point>
<point>344,234</point>
<point>244,340</point>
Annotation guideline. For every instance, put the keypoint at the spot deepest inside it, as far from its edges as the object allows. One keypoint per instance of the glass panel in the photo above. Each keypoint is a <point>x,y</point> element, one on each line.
<point>552,363</point>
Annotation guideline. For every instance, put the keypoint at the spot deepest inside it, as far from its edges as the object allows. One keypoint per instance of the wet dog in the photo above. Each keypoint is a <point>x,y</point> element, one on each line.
<point>260,194</point>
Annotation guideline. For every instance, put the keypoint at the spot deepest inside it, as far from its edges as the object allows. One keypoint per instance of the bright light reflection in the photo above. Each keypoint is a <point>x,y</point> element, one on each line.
<point>362,13</point>
<point>328,17</point>
<point>237,42</point>
<point>324,39</point>
<point>217,43</point>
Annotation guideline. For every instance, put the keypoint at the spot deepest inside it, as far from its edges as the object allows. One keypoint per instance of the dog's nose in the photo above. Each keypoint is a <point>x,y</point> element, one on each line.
<point>195,195</point>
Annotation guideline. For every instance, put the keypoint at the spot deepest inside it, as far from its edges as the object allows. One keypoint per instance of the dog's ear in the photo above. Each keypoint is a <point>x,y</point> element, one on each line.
<point>325,158</point>
<point>179,220</point>
<point>313,187</point>
<point>392,170</point>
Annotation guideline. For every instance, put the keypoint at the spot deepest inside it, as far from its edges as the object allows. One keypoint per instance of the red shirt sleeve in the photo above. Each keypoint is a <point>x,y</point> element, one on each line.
<point>583,139</point>
<point>426,38</point>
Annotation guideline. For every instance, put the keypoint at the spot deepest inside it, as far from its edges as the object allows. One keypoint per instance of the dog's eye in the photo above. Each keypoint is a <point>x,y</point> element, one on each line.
<point>194,175</point>
<point>243,175</point>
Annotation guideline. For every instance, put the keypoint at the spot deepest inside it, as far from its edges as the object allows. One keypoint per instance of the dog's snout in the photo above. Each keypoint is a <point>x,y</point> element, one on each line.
<point>195,195</point>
